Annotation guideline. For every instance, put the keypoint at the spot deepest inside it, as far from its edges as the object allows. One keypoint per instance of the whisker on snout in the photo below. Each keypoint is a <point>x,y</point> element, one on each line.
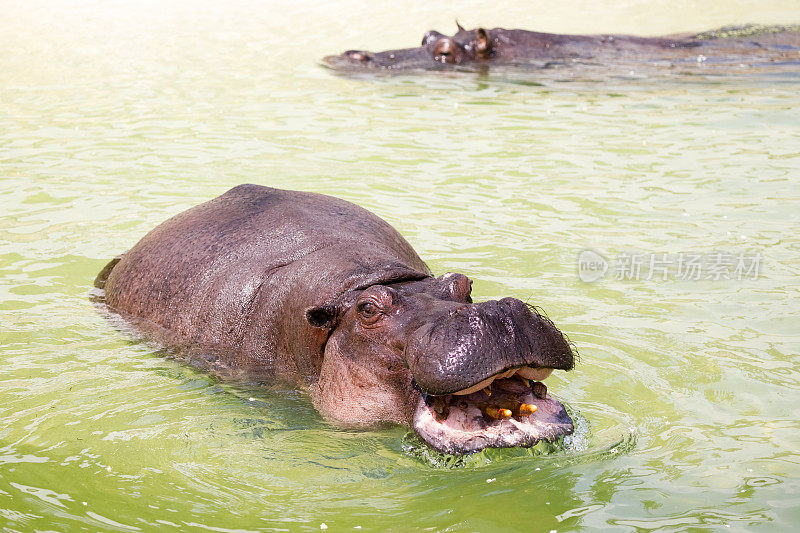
<point>540,313</point>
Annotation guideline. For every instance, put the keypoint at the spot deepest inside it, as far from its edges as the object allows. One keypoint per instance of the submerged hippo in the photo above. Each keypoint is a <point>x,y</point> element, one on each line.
<point>481,48</point>
<point>298,287</point>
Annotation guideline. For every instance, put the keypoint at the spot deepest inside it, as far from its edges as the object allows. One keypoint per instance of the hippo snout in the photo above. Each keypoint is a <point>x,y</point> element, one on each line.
<point>477,341</point>
<point>350,59</point>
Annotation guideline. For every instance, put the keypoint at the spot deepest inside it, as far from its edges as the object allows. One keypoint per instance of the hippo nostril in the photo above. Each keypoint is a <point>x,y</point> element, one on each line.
<point>358,55</point>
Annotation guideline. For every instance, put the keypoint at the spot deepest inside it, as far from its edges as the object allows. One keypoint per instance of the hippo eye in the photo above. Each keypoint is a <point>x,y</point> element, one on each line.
<point>369,312</point>
<point>446,50</point>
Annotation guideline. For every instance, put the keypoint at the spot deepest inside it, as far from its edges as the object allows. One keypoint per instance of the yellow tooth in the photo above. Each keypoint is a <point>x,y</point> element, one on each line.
<point>497,412</point>
<point>488,389</point>
<point>526,409</point>
<point>525,381</point>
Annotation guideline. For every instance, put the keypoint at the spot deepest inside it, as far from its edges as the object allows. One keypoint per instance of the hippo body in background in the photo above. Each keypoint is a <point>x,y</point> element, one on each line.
<point>482,48</point>
<point>270,285</point>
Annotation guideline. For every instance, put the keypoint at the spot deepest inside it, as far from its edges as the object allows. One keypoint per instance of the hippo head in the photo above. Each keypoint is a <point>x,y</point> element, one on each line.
<point>464,47</point>
<point>465,376</point>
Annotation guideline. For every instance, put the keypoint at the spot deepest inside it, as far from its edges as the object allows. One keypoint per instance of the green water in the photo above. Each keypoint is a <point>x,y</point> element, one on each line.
<point>116,115</point>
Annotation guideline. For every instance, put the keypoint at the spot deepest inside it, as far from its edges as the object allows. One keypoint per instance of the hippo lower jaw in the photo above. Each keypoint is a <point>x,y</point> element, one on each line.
<point>464,422</point>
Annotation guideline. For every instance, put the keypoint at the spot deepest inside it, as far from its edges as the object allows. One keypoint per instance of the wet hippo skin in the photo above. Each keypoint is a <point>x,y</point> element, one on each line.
<point>273,285</point>
<point>481,48</point>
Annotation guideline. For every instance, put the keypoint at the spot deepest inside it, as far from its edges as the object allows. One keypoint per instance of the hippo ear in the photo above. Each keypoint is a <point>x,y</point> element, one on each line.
<point>458,286</point>
<point>482,42</point>
<point>322,316</point>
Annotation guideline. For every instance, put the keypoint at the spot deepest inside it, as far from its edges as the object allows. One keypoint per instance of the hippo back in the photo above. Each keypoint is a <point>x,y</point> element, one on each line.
<point>234,276</point>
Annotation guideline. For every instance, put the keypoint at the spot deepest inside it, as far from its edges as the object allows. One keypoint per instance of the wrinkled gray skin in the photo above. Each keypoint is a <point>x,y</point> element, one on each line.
<point>481,48</point>
<point>303,288</point>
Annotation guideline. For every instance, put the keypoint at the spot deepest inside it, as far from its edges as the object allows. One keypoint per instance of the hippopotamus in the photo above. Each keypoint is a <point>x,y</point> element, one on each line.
<point>481,48</point>
<point>298,288</point>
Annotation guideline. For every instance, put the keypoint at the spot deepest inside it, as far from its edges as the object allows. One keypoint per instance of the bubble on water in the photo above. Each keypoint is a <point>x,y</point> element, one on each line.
<point>579,440</point>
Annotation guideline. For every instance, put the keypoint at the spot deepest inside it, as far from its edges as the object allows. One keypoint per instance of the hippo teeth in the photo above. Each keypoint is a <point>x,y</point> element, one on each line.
<point>525,373</point>
<point>534,374</point>
<point>509,409</point>
<point>494,410</point>
<point>506,406</point>
<point>497,412</point>
<point>517,413</point>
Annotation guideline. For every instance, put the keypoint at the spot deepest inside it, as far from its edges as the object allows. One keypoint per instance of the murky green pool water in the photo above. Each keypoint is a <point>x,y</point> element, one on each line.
<point>116,115</point>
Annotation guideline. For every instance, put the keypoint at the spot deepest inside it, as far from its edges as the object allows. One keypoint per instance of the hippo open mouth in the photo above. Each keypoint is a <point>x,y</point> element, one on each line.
<point>508,409</point>
<point>479,371</point>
